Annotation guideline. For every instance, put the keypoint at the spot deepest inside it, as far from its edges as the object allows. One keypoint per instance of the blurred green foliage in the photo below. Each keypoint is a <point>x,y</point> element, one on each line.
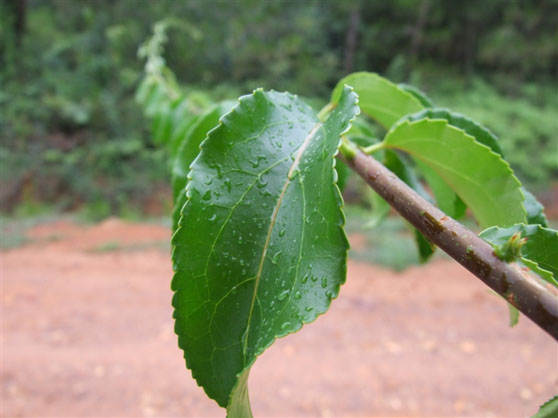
<point>72,134</point>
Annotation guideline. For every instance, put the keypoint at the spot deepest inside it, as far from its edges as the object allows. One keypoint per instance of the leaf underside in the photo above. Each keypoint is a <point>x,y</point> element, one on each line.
<point>480,177</point>
<point>261,247</point>
<point>534,209</point>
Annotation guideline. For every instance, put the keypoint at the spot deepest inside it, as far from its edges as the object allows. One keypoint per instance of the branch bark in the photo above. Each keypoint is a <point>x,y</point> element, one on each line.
<point>530,294</point>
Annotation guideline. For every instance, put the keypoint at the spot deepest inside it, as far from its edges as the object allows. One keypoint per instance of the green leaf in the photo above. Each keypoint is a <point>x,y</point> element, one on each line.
<point>406,173</point>
<point>446,199</point>
<point>549,409</point>
<point>151,96</point>
<point>493,192</point>
<point>484,136</point>
<point>417,94</point>
<point>188,151</point>
<point>476,130</point>
<point>541,247</point>
<point>535,268</point>
<point>261,249</point>
<point>535,211</point>
<point>379,98</point>
<point>180,119</point>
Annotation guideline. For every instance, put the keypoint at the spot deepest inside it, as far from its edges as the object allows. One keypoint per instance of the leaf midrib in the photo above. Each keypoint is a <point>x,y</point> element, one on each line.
<point>293,167</point>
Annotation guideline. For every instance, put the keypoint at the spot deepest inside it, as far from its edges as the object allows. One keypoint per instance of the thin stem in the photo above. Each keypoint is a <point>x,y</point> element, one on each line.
<point>373,148</point>
<point>531,295</point>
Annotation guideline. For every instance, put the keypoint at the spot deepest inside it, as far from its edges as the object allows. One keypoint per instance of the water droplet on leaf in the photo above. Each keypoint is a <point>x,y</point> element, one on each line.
<point>283,295</point>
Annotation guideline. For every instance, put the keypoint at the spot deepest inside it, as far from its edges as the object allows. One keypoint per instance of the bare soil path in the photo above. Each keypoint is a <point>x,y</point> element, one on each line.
<point>87,331</point>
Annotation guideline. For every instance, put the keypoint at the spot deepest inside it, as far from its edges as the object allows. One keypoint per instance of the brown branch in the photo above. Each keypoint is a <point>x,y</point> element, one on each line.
<point>531,295</point>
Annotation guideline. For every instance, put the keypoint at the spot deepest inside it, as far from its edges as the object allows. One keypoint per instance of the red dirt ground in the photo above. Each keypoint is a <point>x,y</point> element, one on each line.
<point>87,332</point>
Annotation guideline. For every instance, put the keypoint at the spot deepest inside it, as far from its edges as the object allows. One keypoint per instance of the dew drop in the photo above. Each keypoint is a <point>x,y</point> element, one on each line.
<point>262,182</point>
<point>227,183</point>
<point>213,218</point>
<point>324,282</point>
<point>275,258</point>
<point>283,295</point>
<point>309,308</point>
<point>304,278</point>
<point>207,195</point>
<point>285,325</point>
<point>282,232</point>
<point>298,295</point>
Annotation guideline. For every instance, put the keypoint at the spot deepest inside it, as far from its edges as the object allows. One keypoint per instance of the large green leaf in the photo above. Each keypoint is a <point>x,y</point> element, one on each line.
<point>379,98</point>
<point>479,176</point>
<point>261,248</point>
<point>540,248</point>
<point>447,198</point>
<point>187,152</point>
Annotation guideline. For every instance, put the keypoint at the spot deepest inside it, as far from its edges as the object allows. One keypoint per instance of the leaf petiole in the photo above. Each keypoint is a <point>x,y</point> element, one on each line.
<point>373,148</point>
